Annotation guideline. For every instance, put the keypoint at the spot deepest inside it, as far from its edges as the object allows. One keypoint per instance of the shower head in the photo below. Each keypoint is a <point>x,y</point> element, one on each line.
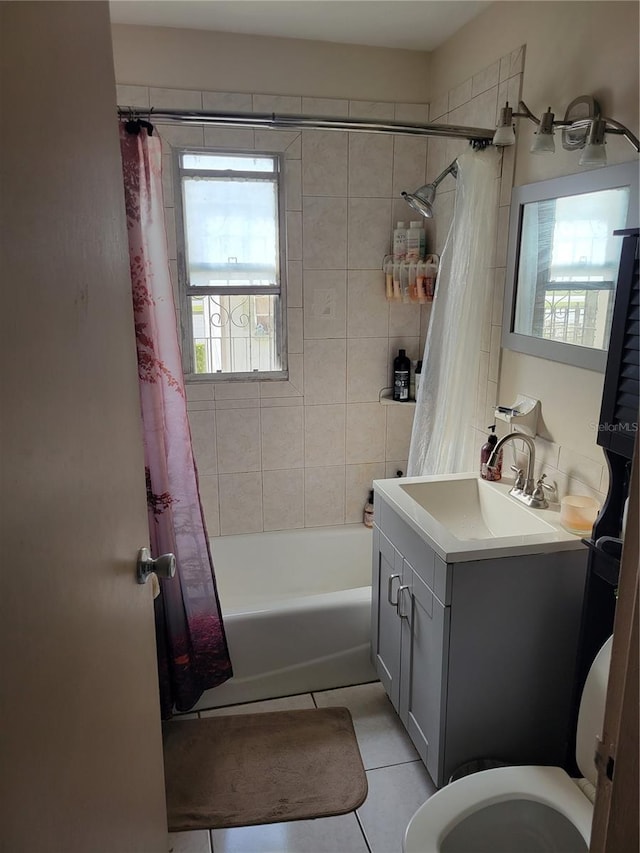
<point>422,199</point>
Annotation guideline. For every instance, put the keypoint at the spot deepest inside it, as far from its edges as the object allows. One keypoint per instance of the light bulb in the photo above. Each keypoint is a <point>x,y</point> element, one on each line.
<point>593,153</point>
<point>504,136</point>
<point>543,143</point>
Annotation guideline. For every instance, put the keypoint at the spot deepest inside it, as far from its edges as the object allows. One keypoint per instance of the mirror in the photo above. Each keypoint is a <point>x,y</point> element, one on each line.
<point>562,263</point>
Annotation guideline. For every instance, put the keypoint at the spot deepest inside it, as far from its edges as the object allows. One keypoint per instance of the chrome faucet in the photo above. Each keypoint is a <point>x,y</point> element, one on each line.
<point>525,488</point>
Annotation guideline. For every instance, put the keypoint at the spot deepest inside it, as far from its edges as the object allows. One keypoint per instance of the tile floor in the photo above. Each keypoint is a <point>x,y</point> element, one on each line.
<point>398,784</point>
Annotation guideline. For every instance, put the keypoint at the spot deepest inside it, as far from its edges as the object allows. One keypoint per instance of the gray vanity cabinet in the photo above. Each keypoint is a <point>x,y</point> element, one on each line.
<point>477,657</point>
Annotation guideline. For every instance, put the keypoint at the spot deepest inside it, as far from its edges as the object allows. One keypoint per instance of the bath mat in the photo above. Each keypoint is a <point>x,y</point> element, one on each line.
<point>245,769</point>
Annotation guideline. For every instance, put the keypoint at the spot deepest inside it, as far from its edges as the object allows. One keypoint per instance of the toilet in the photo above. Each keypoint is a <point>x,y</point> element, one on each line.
<point>521,809</point>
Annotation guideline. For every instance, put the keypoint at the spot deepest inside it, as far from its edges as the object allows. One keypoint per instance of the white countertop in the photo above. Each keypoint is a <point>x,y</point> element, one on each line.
<point>452,548</point>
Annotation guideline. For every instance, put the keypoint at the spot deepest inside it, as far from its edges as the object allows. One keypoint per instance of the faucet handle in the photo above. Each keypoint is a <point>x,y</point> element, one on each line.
<point>541,487</point>
<point>520,480</point>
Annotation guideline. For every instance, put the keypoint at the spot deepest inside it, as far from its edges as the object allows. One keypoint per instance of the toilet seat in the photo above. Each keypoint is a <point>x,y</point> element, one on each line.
<point>447,808</point>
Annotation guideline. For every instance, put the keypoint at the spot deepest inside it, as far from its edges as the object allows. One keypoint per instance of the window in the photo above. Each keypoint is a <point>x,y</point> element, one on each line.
<point>230,262</point>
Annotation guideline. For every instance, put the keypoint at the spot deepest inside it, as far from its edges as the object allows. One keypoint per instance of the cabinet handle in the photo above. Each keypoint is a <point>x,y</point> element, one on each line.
<point>390,591</point>
<point>400,591</point>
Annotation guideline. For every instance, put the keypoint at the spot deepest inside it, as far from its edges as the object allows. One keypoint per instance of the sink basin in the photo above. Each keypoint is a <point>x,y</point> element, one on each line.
<point>465,518</point>
<point>472,509</point>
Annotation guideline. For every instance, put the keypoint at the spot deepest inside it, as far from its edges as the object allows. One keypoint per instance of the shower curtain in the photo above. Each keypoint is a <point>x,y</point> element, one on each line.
<point>191,643</point>
<point>441,439</point>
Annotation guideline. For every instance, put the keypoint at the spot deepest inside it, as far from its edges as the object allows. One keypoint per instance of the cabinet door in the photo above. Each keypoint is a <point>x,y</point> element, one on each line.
<point>387,571</point>
<point>425,631</point>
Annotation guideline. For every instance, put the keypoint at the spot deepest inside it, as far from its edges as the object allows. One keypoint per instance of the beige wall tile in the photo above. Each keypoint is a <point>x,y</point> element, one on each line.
<point>230,138</point>
<point>199,390</point>
<point>324,163</point>
<point>485,79</point>
<point>439,107</point>
<point>369,232</point>
<point>286,141</point>
<point>409,165</point>
<point>283,499</point>
<point>367,306</point>
<point>324,496</point>
<point>359,479</point>
<point>574,465</point>
<point>170,225</point>
<point>293,184</point>
<point>208,488</point>
<point>294,330</point>
<point>294,387</point>
<point>325,303</point>
<point>367,369</point>
<point>391,468</point>
<point>277,104</point>
<point>333,107</point>
<point>324,435</point>
<point>459,95</point>
<point>325,371</point>
<point>240,503</point>
<point>237,390</point>
<point>412,113</point>
<point>370,165</point>
<point>294,284</point>
<point>324,233</point>
<point>502,237</point>
<point>378,110</point>
<point>238,440</point>
<point>232,102</point>
<point>175,99</point>
<point>404,319</point>
<point>294,235</point>
<point>132,96</point>
<point>366,425</point>
<point>203,438</point>
<point>399,424</point>
<point>282,437</point>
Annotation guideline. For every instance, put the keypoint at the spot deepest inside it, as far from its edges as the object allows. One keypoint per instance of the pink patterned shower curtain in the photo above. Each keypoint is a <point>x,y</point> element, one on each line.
<point>192,648</point>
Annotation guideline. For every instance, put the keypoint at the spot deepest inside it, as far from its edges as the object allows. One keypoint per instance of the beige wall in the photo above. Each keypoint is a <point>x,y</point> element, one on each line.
<point>572,48</point>
<point>228,62</point>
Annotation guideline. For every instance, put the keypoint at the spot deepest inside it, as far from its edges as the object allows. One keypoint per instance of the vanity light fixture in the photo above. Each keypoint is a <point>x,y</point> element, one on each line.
<point>583,127</point>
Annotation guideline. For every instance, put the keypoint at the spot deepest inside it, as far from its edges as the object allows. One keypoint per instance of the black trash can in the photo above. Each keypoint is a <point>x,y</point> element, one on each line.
<point>476,766</point>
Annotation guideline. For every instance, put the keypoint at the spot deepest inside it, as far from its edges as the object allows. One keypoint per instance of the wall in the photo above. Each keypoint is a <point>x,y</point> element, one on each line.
<point>230,62</point>
<point>277,455</point>
<point>571,48</point>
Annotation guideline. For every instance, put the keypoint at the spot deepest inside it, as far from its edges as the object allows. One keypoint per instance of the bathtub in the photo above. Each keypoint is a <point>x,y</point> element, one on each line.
<point>297,611</point>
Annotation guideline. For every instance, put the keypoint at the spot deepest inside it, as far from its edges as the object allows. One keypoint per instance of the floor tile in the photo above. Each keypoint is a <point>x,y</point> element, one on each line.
<point>381,736</point>
<point>286,703</point>
<point>395,794</point>
<point>339,834</point>
<point>198,841</point>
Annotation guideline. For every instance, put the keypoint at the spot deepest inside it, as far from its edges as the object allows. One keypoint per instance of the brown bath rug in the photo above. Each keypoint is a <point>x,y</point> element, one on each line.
<point>245,769</point>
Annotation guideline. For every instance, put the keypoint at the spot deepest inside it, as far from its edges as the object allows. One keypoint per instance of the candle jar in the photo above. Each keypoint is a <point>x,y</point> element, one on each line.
<point>578,514</point>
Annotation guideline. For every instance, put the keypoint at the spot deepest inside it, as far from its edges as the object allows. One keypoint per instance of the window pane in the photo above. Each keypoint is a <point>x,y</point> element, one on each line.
<point>235,333</point>
<point>223,161</point>
<point>231,229</point>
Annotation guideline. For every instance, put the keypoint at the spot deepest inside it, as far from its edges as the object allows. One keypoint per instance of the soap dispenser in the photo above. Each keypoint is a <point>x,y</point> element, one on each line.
<point>485,452</point>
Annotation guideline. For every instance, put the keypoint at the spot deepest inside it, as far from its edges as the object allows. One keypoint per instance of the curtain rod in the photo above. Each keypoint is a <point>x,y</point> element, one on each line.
<point>481,135</point>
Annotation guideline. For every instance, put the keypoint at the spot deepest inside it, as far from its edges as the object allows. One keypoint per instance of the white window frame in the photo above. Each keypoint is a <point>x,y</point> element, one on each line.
<point>186,290</point>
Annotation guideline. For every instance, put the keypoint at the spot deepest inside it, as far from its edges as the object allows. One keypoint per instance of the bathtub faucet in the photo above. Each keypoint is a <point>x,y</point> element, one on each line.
<point>525,488</point>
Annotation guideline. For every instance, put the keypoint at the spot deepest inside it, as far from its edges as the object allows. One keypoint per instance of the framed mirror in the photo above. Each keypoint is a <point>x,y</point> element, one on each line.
<point>562,263</point>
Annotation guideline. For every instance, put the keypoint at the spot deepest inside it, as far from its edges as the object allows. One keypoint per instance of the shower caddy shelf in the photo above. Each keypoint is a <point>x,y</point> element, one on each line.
<point>412,281</point>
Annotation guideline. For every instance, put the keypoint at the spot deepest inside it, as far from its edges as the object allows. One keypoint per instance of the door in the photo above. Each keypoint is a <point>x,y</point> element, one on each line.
<point>425,629</point>
<point>387,579</point>
<point>81,735</point>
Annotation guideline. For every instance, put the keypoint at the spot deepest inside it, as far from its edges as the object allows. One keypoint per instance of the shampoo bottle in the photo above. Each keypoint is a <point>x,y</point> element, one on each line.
<point>485,452</point>
<point>401,370</point>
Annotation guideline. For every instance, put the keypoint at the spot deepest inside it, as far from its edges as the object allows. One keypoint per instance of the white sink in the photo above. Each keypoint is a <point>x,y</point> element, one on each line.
<point>472,509</point>
<point>465,518</point>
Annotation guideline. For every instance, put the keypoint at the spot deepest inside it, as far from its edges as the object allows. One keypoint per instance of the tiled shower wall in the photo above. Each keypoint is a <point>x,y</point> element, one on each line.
<point>303,453</point>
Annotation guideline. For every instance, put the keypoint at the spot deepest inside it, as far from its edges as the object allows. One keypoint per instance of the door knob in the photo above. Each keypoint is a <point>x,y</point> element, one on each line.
<point>164,566</point>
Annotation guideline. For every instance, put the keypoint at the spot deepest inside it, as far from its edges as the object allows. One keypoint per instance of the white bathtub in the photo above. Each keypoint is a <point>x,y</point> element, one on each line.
<point>297,610</point>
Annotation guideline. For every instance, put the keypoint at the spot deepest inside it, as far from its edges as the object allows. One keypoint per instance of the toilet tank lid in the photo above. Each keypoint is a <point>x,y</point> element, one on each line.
<point>591,714</point>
